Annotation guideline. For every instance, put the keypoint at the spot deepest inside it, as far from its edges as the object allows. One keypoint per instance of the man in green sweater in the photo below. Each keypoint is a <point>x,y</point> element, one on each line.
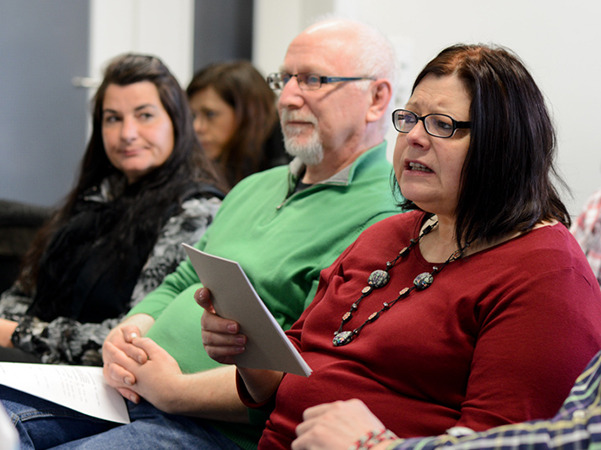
<point>283,226</point>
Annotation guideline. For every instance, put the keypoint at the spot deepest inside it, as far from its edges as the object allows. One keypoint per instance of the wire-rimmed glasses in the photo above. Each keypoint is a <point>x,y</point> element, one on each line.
<point>306,81</point>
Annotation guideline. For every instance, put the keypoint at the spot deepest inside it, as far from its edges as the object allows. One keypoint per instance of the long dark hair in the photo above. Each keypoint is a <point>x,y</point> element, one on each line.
<point>250,148</point>
<point>146,201</point>
<point>506,178</point>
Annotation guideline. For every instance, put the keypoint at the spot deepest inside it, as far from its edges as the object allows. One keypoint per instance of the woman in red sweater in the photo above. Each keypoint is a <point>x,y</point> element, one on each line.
<point>476,309</point>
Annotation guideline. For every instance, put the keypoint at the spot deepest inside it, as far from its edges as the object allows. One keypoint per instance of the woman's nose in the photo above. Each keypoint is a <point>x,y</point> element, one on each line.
<point>129,130</point>
<point>418,137</point>
<point>199,124</point>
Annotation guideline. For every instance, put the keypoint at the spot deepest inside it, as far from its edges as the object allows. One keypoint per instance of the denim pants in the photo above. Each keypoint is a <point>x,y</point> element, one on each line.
<point>42,424</point>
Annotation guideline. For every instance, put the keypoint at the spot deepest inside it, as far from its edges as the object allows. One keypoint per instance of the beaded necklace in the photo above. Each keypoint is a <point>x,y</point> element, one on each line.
<point>379,278</point>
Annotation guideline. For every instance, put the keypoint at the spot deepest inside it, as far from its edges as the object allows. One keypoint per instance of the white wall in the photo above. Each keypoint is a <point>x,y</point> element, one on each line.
<point>158,27</point>
<point>558,41</point>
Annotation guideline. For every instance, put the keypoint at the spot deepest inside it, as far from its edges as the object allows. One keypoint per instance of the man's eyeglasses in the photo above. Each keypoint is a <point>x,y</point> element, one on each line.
<point>437,125</point>
<point>306,81</point>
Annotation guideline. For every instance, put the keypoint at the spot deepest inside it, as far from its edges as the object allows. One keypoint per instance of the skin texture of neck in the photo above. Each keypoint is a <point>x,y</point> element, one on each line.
<point>440,243</point>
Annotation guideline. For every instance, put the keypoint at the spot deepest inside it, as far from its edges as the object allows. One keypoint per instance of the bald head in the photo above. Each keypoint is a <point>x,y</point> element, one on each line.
<point>368,51</point>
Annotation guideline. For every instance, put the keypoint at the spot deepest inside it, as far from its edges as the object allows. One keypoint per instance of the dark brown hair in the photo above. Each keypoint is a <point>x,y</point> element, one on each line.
<point>153,193</point>
<point>506,178</point>
<point>241,86</point>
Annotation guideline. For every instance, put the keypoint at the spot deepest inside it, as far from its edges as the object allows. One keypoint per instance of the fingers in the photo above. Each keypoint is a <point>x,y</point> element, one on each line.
<point>148,346</point>
<point>315,416</point>
<point>203,298</point>
<point>129,332</point>
<point>335,425</point>
<point>122,338</point>
<point>129,394</point>
<point>115,372</point>
<point>221,339</point>
<point>211,322</point>
<point>223,348</point>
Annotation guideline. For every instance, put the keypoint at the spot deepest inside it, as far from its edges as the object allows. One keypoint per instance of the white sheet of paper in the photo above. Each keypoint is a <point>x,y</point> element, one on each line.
<point>9,438</point>
<point>235,298</point>
<point>81,388</point>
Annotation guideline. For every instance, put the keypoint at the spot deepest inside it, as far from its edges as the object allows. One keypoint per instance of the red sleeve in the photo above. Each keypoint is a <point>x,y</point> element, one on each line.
<point>523,354</point>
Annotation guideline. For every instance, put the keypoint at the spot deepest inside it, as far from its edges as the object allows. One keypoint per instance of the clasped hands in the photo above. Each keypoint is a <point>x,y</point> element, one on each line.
<point>139,368</point>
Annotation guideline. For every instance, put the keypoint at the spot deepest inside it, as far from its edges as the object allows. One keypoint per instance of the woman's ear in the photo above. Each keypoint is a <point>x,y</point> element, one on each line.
<point>381,95</point>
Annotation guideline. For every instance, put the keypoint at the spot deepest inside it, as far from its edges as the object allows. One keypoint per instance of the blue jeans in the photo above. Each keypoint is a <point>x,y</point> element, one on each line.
<point>42,424</point>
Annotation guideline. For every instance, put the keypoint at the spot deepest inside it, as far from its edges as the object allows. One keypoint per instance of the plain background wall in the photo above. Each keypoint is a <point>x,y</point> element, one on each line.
<point>558,41</point>
<point>42,115</point>
<point>164,28</point>
<point>185,34</point>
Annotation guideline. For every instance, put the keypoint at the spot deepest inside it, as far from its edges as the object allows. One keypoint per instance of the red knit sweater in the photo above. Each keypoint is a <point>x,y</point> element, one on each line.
<point>500,336</point>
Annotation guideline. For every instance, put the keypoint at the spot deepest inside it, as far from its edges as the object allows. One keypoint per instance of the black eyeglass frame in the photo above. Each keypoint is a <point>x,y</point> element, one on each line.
<point>322,79</point>
<point>456,123</point>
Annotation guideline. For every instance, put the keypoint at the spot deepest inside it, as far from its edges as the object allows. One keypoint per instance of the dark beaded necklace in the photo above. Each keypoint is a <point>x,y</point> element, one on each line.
<point>379,278</point>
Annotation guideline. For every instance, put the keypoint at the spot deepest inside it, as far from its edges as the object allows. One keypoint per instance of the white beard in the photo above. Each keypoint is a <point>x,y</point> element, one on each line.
<point>310,152</point>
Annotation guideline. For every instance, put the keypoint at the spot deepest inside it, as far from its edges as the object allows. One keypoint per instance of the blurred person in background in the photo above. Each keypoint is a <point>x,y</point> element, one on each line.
<point>236,120</point>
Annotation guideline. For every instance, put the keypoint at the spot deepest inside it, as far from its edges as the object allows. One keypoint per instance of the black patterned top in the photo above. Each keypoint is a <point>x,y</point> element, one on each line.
<point>68,341</point>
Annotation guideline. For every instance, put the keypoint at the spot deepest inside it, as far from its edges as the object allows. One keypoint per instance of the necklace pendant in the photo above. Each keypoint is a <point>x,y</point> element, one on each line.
<point>342,338</point>
<point>423,281</point>
<point>378,278</point>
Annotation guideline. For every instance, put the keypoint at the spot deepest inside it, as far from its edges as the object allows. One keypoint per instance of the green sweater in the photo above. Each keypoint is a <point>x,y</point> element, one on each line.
<point>282,239</point>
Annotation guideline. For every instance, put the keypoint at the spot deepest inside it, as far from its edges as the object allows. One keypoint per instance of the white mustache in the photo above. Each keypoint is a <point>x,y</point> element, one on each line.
<point>296,116</point>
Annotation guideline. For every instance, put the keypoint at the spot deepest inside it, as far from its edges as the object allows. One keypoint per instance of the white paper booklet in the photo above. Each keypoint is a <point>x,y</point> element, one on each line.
<point>9,438</point>
<point>81,388</point>
<point>235,298</point>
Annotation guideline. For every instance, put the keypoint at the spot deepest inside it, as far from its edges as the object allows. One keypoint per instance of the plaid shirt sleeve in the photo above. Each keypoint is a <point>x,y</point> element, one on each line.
<point>587,231</point>
<point>577,425</point>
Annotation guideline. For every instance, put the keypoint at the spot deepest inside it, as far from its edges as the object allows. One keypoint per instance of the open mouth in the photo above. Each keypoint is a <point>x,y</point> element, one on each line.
<point>418,167</point>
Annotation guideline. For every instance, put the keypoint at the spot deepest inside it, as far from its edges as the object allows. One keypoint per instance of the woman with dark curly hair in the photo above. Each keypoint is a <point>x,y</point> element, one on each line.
<point>144,187</point>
